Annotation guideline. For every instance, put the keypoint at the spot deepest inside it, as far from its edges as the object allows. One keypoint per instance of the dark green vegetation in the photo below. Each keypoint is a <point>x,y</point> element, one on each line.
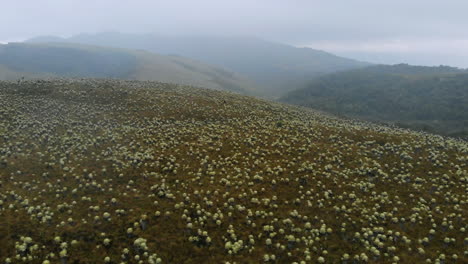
<point>433,99</point>
<point>277,68</point>
<point>142,172</point>
<point>73,60</point>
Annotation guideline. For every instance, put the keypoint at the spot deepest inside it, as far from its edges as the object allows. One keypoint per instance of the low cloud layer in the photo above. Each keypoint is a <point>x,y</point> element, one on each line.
<point>421,51</point>
<point>363,28</point>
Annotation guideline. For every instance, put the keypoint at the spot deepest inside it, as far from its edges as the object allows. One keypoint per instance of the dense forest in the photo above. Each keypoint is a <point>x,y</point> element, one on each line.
<point>433,99</point>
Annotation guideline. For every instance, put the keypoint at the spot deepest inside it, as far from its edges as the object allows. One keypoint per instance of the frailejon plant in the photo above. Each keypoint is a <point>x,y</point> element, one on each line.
<point>111,171</point>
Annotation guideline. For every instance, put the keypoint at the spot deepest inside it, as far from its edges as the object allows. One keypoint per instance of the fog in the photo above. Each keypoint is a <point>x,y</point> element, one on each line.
<point>419,32</point>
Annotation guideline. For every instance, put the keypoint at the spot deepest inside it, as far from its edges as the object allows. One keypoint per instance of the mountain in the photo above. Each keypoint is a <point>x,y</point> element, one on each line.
<point>40,60</point>
<point>429,98</point>
<point>278,68</point>
<point>111,171</point>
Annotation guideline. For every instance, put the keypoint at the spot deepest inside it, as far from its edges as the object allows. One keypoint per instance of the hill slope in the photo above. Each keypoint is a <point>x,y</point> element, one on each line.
<point>72,60</point>
<point>124,170</point>
<point>430,98</point>
<point>277,67</point>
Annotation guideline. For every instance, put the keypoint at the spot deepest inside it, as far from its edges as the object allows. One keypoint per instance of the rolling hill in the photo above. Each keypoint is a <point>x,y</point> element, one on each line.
<point>433,99</point>
<point>34,60</point>
<point>112,171</point>
<point>277,68</point>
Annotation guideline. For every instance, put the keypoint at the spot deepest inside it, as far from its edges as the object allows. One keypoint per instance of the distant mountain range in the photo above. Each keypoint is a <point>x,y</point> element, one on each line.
<point>277,68</point>
<point>39,60</point>
<point>434,99</point>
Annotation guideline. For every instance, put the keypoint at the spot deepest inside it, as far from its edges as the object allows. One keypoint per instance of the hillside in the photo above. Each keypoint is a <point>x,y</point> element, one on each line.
<point>278,68</point>
<point>72,60</point>
<point>108,171</point>
<point>425,98</point>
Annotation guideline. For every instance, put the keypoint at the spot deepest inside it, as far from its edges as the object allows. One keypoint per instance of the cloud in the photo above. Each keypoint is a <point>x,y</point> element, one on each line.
<point>365,25</point>
<point>442,46</point>
<point>435,52</point>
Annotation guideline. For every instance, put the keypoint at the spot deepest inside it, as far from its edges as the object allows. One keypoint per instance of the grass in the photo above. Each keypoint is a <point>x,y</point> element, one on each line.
<point>184,164</point>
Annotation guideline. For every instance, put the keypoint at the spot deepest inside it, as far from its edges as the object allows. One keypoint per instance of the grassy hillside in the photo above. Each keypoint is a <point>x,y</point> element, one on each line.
<point>429,98</point>
<point>144,172</point>
<point>9,74</point>
<point>278,68</point>
<point>72,60</point>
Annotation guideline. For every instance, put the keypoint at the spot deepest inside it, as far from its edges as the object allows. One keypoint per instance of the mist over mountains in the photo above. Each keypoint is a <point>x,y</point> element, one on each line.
<point>41,60</point>
<point>277,68</point>
<point>432,99</point>
<point>208,131</point>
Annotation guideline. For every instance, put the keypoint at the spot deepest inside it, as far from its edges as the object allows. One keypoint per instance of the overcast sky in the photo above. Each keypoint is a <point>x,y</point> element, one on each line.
<point>428,32</point>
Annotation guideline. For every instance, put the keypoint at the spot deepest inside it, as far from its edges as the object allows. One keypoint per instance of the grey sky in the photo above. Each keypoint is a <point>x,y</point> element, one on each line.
<point>415,31</point>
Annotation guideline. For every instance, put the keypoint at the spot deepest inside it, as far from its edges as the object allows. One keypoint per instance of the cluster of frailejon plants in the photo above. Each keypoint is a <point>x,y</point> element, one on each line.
<point>111,171</point>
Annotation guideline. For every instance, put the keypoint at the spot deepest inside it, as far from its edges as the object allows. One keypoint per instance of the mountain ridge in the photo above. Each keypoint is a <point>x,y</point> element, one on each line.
<point>278,68</point>
<point>36,60</point>
<point>425,98</point>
